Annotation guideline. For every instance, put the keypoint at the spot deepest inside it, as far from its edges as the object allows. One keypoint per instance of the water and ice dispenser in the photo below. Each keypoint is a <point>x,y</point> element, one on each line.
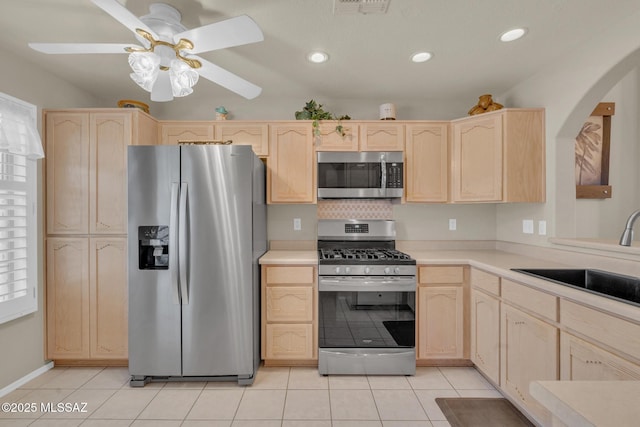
<point>153,247</point>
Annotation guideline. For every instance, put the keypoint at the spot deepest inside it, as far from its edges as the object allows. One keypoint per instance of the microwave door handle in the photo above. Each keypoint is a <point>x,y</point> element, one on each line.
<point>383,168</point>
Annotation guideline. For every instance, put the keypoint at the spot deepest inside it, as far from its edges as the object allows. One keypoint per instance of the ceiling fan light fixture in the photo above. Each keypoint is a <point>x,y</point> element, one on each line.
<point>318,57</point>
<point>182,77</point>
<point>514,34</point>
<point>145,66</point>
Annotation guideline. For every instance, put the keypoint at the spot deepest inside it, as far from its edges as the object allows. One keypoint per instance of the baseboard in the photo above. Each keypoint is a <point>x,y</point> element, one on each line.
<point>16,384</point>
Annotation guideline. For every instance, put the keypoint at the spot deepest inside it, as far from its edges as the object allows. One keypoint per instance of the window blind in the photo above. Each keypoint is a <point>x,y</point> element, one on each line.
<point>18,227</point>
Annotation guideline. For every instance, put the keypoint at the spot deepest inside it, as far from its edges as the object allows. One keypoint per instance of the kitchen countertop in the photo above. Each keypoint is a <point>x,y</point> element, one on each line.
<point>492,261</point>
<point>590,403</point>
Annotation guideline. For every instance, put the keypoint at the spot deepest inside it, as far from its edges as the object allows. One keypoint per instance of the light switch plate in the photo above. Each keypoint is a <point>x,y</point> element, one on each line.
<point>297,224</point>
<point>527,226</point>
<point>542,228</point>
<point>452,224</point>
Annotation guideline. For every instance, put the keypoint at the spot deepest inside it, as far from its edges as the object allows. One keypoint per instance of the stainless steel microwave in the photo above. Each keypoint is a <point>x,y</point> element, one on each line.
<point>360,175</point>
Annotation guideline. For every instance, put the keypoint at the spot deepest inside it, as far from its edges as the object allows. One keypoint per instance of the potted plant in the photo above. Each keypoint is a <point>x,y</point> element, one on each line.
<point>313,111</point>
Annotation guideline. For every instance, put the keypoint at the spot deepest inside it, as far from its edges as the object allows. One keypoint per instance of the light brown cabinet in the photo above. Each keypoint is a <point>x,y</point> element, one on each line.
<point>172,132</point>
<point>427,162</point>
<point>529,352</point>
<point>289,315</point>
<point>381,136</point>
<point>441,312</point>
<point>86,217</point>
<point>485,333</point>
<point>330,140</point>
<point>499,157</point>
<point>255,134</point>
<point>291,167</point>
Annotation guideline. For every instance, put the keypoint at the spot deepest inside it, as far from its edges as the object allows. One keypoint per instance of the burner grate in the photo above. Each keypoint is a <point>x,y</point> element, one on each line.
<point>363,254</point>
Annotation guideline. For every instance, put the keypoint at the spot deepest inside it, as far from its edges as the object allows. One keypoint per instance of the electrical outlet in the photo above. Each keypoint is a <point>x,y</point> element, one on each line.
<point>542,228</point>
<point>297,224</point>
<point>452,224</point>
<point>527,226</point>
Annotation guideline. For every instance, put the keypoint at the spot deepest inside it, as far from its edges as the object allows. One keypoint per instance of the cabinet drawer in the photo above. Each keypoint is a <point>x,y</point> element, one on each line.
<point>290,275</point>
<point>289,304</point>
<point>289,341</point>
<point>485,281</point>
<point>617,333</point>
<point>535,301</point>
<point>440,274</point>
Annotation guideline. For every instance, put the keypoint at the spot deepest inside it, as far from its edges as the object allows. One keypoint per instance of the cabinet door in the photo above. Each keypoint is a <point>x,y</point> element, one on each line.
<point>485,334</point>
<point>427,163</point>
<point>529,353</point>
<point>109,136</point>
<point>173,132</point>
<point>254,134</point>
<point>108,298</point>
<point>67,170</point>
<point>294,342</point>
<point>440,322</point>
<point>582,361</point>
<point>67,298</point>
<point>291,165</point>
<point>477,160</point>
<point>331,140</point>
<point>382,137</point>
<point>289,304</point>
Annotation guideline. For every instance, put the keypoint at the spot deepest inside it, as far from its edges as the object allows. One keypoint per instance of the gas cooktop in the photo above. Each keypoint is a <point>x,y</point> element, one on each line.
<point>363,256</point>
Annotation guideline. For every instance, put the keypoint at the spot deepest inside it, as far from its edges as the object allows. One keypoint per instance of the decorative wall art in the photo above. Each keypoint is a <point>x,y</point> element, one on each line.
<point>592,154</point>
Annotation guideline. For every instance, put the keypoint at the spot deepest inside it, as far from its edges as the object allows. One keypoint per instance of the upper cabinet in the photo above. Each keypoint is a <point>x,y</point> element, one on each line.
<point>385,136</point>
<point>255,134</point>
<point>291,167</point>
<point>172,132</point>
<point>331,140</point>
<point>427,162</point>
<point>499,157</point>
<point>86,158</point>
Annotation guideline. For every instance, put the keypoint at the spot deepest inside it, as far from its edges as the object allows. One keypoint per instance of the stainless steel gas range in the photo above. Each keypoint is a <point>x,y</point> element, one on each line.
<point>367,292</point>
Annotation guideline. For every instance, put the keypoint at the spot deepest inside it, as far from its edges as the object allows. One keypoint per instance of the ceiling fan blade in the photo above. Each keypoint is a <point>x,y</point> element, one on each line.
<point>231,32</point>
<point>73,48</point>
<point>226,79</point>
<point>122,14</point>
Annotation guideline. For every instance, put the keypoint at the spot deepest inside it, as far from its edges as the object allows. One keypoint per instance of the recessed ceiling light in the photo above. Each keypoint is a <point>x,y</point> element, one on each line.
<point>511,35</point>
<point>318,57</point>
<point>421,56</point>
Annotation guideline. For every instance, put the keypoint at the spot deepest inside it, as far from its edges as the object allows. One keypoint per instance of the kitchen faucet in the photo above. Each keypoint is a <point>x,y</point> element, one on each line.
<point>627,234</point>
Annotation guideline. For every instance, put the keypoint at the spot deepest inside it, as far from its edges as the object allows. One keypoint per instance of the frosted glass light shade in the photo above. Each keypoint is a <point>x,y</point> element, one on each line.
<point>145,66</point>
<point>183,78</point>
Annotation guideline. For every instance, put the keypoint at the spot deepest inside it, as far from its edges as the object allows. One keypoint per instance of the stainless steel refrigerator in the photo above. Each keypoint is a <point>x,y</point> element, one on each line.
<point>197,226</point>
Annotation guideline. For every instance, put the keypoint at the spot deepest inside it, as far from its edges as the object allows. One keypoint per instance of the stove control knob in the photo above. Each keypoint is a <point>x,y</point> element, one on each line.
<point>387,270</point>
<point>367,270</point>
<point>396,270</point>
<point>337,270</point>
<point>347,270</point>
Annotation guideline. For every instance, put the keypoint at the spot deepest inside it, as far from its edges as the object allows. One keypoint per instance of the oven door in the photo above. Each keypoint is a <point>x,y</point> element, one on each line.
<point>366,325</point>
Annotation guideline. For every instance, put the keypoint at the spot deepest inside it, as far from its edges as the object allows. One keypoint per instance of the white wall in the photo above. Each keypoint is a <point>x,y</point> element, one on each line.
<point>23,339</point>
<point>569,89</point>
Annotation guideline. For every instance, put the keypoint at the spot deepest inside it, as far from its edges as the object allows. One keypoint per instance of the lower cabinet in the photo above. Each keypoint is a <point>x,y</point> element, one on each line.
<point>529,352</point>
<point>441,313</point>
<point>485,334</point>
<point>583,361</point>
<point>289,315</point>
<point>86,299</point>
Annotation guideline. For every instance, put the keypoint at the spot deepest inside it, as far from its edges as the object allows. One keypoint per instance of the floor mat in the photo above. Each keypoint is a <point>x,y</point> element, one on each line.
<point>481,412</point>
<point>402,331</point>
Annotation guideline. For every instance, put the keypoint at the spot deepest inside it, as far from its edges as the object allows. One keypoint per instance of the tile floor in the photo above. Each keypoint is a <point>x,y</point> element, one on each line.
<point>279,397</point>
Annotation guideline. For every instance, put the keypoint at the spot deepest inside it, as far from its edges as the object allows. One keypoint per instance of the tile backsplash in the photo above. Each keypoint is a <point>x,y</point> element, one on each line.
<point>355,209</point>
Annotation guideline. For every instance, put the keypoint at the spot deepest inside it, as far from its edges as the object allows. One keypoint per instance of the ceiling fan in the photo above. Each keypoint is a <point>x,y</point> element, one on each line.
<point>166,64</point>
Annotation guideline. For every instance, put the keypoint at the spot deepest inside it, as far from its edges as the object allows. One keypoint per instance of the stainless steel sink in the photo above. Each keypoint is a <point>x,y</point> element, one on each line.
<point>611,285</point>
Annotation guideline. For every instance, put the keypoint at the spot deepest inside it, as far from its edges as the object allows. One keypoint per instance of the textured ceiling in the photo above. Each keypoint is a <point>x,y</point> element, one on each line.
<point>369,54</point>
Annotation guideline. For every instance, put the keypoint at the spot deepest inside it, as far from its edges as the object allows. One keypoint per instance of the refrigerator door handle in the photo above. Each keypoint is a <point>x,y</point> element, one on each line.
<point>183,242</point>
<point>173,242</point>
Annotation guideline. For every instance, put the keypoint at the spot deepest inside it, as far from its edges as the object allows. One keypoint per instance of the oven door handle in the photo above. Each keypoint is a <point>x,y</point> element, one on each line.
<point>366,284</point>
